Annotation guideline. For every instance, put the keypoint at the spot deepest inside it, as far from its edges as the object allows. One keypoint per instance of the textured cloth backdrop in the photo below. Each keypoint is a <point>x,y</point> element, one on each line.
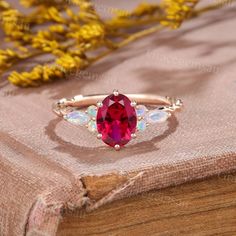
<point>47,165</point>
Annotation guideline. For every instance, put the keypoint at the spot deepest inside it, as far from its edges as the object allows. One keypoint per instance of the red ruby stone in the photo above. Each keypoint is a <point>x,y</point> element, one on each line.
<point>116,120</point>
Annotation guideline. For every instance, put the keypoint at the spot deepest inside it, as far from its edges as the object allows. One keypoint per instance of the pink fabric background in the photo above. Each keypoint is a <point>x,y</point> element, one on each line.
<point>42,159</point>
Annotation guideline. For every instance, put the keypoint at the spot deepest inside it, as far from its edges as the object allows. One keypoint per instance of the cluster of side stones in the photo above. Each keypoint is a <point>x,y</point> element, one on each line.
<point>146,117</point>
<point>83,118</point>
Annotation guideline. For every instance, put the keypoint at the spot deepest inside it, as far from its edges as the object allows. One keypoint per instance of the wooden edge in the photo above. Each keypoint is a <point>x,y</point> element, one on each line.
<point>206,207</point>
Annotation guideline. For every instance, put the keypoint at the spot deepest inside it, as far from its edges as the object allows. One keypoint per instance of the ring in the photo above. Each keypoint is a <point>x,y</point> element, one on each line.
<point>116,118</point>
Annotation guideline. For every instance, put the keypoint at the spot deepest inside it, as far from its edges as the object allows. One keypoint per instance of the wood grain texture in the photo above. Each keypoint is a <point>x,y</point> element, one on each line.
<point>206,207</point>
<point>99,186</point>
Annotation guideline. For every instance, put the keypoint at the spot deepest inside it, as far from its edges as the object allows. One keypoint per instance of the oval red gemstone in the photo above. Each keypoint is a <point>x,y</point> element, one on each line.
<point>116,120</point>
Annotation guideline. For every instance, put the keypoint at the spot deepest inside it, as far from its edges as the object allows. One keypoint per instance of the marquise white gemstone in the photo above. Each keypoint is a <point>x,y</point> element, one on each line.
<point>77,118</point>
<point>141,110</point>
<point>157,116</point>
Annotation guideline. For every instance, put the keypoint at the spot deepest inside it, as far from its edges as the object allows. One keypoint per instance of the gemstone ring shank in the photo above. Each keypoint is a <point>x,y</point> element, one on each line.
<point>116,117</point>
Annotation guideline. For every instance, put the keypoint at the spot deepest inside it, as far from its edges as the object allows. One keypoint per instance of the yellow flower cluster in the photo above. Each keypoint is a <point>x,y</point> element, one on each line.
<point>53,14</point>
<point>68,63</point>
<point>45,41</point>
<point>39,74</point>
<point>67,30</point>
<point>177,11</point>
<point>92,32</point>
<point>7,58</point>
<point>14,25</point>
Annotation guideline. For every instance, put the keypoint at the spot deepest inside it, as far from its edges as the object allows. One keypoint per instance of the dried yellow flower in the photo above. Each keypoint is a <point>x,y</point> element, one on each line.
<point>37,76</point>
<point>69,29</point>
<point>45,41</point>
<point>145,9</point>
<point>92,32</point>
<point>68,62</point>
<point>60,29</point>
<point>177,11</point>
<point>54,15</point>
<point>7,58</point>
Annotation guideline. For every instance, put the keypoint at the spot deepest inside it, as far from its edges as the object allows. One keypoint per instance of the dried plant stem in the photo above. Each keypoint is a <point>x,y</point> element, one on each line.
<point>154,29</point>
<point>128,40</point>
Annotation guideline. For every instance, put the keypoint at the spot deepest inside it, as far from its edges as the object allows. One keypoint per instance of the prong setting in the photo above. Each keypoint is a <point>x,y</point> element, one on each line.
<point>133,136</point>
<point>99,104</point>
<point>133,104</point>
<point>99,136</point>
<point>117,147</point>
<point>115,92</point>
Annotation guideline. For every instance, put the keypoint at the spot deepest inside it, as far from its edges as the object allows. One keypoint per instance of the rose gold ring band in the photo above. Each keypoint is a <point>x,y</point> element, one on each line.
<point>80,101</point>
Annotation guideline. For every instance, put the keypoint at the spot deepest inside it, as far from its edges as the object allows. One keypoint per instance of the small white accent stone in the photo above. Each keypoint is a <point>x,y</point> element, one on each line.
<point>141,110</point>
<point>157,116</point>
<point>77,118</point>
<point>92,126</point>
<point>92,111</point>
<point>141,125</point>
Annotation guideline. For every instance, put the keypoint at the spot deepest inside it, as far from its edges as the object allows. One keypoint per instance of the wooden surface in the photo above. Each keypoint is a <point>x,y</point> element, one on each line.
<point>206,207</point>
